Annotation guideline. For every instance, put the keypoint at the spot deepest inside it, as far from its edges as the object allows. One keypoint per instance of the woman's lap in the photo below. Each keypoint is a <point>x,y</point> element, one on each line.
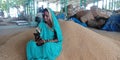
<point>48,50</point>
<point>33,50</point>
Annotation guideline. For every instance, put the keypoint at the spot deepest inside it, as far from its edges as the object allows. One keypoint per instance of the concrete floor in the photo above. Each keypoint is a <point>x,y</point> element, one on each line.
<point>9,31</point>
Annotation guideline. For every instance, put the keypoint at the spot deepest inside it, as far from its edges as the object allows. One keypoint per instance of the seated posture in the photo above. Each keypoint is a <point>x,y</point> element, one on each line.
<point>48,39</point>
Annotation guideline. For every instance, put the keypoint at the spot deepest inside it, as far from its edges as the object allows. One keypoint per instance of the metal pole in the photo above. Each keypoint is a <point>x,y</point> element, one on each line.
<point>27,9</point>
<point>109,4</point>
<point>97,2</point>
<point>80,3</point>
<point>37,7</point>
<point>94,2</point>
<point>66,2</point>
<point>0,3</point>
<point>61,3</point>
<point>103,4</point>
<point>8,8</point>
<point>106,5</point>
<point>33,10</point>
<point>48,4</point>
<point>57,6</point>
<point>112,4</point>
<point>84,4</point>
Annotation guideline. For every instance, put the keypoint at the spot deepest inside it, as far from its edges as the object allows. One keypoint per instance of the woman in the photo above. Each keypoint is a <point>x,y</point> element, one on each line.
<point>48,45</point>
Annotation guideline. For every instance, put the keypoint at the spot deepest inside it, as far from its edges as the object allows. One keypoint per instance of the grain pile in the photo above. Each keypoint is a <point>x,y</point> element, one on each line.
<point>79,44</point>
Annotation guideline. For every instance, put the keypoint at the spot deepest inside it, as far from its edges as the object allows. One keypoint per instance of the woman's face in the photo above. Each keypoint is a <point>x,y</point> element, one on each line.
<point>46,16</point>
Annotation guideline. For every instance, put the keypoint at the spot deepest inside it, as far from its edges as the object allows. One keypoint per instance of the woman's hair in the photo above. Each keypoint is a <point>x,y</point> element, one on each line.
<point>45,10</point>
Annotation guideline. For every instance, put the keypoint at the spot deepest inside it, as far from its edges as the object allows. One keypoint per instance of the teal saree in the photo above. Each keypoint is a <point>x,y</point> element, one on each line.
<point>49,50</point>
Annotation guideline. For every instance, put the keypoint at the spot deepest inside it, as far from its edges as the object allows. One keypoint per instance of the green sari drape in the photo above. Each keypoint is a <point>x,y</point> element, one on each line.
<point>49,50</point>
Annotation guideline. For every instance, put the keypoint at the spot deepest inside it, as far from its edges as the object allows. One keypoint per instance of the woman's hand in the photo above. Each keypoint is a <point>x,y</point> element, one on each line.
<point>40,42</point>
<point>45,41</point>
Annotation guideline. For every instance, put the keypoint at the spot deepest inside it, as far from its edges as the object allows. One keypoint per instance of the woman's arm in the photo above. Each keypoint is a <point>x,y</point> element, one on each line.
<point>41,42</point>
<point>54,40</point>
